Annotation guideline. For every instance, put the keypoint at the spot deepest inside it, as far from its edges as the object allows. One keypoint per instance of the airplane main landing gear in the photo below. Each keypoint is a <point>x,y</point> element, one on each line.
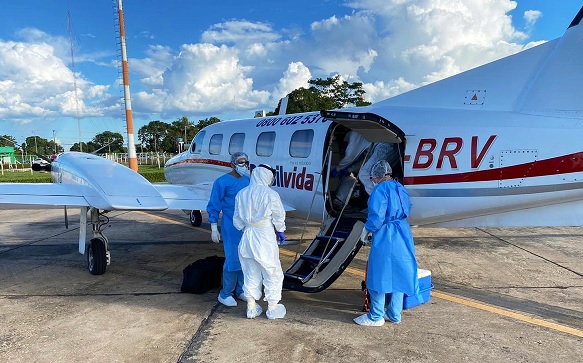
<point>195,218</point>
<point>97,252</point>
<point>97,256</point>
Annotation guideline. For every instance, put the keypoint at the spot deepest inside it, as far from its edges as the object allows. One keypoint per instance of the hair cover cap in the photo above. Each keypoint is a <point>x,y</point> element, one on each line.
<point>238,155</point>
<point>380,169</point>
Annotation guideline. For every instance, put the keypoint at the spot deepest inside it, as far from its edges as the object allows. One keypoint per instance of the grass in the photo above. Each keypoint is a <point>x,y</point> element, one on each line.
<point>150,172</point>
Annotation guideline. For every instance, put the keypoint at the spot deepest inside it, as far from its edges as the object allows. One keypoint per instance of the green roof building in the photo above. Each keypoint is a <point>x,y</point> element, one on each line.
<point>7,155</point>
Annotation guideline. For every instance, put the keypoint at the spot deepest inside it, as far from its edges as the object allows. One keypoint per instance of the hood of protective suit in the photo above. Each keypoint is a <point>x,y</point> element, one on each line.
<point>261,176</point>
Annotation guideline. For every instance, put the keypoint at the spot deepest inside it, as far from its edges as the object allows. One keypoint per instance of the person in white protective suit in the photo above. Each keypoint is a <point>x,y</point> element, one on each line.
<point>259,213</point>
<point>223,200</point>
<point>355,149</point>
<point>381,151</point>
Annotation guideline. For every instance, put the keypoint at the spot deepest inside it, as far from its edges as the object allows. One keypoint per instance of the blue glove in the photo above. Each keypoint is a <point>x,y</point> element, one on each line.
<point>333,173</point>
<point>343,172</point>
<point>280,237</point>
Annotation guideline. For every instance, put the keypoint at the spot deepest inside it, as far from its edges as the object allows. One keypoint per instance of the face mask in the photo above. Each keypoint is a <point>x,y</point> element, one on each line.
<point>242,170</point>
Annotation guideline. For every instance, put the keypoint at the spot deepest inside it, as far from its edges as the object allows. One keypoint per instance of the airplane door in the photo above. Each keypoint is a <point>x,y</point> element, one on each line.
<point>387,140</point>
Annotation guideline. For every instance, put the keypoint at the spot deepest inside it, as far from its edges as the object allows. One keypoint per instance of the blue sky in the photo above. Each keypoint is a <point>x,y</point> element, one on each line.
<point>230,58</point>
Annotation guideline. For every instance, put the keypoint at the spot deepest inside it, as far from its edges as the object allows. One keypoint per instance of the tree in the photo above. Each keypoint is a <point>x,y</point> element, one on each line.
<point>325,94</point>
<point>7,140</point>
<point>207,121</point>
<point>152,134</point>
<point>87,147</point>
<point>110,142</point>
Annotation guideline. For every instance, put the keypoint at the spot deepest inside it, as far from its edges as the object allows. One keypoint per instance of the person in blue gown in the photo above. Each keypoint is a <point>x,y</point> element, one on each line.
<point>392,266</point>
<point>222,199</point>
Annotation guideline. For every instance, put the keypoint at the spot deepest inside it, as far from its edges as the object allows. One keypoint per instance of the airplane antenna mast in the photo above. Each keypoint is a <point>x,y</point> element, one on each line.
<point>133,160</point>
<point>74,76</point>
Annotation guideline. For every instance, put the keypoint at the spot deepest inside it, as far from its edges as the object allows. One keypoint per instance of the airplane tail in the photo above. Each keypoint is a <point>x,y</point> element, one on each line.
<point>545,79</point>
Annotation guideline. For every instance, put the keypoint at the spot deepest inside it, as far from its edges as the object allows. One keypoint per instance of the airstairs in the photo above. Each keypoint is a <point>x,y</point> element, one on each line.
<point>326,257</point>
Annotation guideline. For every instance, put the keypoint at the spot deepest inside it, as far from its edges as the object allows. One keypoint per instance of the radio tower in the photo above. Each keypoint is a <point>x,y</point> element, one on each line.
<point>74,77</point>
<point>126,91</point>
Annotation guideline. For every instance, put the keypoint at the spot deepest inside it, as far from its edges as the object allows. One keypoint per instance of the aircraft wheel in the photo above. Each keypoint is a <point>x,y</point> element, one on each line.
<point>195,218</point>
<point>96,257</point>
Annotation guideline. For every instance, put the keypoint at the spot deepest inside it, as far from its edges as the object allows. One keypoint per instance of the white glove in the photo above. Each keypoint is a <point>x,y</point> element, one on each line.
<point>215,235</point>
<point>364,236</point>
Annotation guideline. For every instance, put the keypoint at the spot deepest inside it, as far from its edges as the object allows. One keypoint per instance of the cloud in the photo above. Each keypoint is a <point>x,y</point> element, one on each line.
<point>205,78</point>
<point>531,16</point>
<point>238,66</point>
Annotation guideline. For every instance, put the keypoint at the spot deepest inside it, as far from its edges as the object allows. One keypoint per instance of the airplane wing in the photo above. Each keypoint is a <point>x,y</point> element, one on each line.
<point>43,195</point>
<point>85,180</point>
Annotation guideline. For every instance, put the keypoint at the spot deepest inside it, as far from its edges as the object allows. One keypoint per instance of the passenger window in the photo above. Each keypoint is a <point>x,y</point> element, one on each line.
<point>265,143</point>
<point>236,143</point>
<point>300,145</point>
<point>215,144</point>
<point>196,146</point>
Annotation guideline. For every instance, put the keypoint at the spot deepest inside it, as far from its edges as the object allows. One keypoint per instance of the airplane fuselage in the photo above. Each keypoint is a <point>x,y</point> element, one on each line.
<point>461,167</point>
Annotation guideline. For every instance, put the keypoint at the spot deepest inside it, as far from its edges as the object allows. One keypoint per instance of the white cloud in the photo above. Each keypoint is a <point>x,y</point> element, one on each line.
<point>238,66</point>
<point>297,75</point>
<point>531,16</point>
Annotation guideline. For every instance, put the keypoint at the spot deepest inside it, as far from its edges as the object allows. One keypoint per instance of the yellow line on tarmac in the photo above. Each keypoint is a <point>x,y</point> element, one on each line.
<point>507,313</point>
<point>480,306</point>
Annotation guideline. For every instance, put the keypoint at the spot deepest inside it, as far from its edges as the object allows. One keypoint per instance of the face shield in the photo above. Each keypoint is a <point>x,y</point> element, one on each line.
<point>272,170</point>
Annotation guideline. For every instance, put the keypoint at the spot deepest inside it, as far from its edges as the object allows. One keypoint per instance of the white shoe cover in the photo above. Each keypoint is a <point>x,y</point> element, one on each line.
<point>276,313</point>
<point>364,320</point>
<point>228,301</point>
<point>242,296</point>
<point>253,313</point>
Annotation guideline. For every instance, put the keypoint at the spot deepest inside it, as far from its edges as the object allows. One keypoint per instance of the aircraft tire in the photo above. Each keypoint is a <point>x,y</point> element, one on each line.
<point>96,257</point>
<point>195,218</point>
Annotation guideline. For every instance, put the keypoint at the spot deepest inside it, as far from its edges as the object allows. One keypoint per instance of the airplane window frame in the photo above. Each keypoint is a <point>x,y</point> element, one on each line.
<point>295,149</point>
<point>269,144</point>
<point>234,144</point>
<point>196,146</point>
<point>213,145</point>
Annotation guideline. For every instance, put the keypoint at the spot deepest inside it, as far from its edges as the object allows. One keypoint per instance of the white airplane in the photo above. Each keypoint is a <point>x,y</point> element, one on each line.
<point>497,145</point>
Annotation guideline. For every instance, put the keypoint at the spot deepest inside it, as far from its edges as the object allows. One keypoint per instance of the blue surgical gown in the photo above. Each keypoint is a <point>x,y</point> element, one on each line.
<point>392,266</point>
<point>225,188</point>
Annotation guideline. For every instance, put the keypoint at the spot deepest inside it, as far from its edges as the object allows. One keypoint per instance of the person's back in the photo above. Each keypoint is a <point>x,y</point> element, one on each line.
<point>258,210</point>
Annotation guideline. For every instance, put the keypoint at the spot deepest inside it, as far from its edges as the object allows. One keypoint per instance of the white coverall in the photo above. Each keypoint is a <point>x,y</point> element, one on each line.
<point>381,151</point>
<point>356,146</point>
<point>258,209</point>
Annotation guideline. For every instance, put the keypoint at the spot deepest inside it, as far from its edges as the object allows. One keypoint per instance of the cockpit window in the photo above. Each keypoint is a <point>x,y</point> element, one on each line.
<point>196,146</point>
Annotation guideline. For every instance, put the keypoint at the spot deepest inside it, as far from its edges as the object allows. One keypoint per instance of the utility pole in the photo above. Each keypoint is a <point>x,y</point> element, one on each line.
<point>55,142</point>
<point>35,145</point>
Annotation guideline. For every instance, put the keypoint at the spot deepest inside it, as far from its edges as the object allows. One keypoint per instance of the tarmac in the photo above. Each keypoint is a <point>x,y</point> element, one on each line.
<point>501,295</point>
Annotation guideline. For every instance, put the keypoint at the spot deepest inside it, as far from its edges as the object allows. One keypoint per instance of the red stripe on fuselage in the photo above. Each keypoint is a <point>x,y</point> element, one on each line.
<point>202,161</point>
<point>571,163</point>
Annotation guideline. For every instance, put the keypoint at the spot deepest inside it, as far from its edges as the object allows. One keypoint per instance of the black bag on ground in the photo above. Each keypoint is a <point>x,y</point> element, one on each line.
<point>203,275</point>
